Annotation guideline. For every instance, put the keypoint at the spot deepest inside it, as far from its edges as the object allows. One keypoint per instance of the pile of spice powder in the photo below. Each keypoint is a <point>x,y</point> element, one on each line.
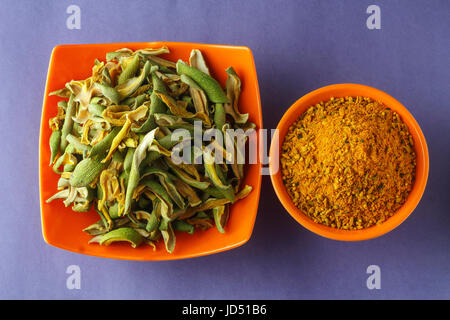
<point>348,163</point>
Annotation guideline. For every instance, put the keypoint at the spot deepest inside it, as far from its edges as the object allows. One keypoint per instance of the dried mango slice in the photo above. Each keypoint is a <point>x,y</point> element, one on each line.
<point>168,235</point>
<point>233,88</point>
<point>128,87</point>
<point>122,234</point>
<point>210,85</point>
<point>220,214</point>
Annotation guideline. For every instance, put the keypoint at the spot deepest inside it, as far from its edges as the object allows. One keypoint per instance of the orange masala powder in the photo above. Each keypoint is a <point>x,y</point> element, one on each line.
<point>348,163</point>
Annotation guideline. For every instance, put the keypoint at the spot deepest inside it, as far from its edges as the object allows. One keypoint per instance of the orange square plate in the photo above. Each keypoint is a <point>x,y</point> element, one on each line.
<point>62,227</point>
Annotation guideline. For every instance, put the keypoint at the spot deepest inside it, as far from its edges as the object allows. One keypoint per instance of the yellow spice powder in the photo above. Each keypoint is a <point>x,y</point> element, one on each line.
<point>348,163</point>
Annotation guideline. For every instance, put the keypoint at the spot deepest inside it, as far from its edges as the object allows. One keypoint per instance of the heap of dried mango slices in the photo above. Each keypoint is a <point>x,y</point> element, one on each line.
<point>112,143</point>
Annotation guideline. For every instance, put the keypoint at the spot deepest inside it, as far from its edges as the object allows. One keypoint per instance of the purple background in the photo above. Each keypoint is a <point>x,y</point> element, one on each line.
<point>298,46</point>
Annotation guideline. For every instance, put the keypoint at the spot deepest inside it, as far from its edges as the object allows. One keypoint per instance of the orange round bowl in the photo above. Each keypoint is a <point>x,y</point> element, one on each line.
<point>352,90</point>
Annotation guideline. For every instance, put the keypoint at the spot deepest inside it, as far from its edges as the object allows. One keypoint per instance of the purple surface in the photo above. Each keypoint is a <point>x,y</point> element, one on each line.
<point>298,46</point>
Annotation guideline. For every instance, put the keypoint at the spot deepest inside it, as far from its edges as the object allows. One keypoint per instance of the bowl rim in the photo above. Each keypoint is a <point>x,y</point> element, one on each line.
<point>420,146</point>
<point>256,183</point>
